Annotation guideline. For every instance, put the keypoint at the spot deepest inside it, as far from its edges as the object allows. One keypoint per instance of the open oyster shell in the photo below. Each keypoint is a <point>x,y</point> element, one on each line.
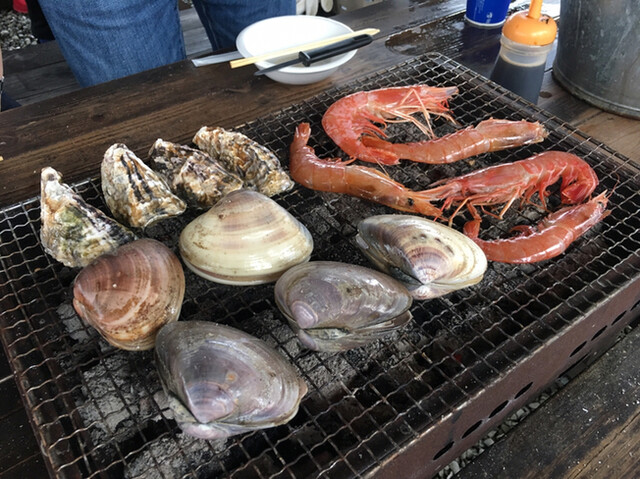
<point>130,294</point>
<point>247,238</point>
<point>74,232</point>
<point>336,306</point>
<point>258,166</point>
<point>221,381</point>
<point>192,174</point>
<point>134,193</point>
<point>431,259</point>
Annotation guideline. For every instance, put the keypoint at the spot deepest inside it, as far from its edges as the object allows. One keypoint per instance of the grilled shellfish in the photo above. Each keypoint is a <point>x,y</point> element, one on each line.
<point>258,166</point>
<point>247,238</point>
<point>431,259</point>
<point>130,294</point>
<point>134,193</point>
<point>192,174</point>
<point>74,232</point>
<point>221,381</point>
<point>336,306</point>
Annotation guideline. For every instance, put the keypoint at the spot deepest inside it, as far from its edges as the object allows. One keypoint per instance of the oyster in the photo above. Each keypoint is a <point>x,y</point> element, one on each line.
<point>337,306</point>
<point>130,294</point>
<point>255,164</point>
<point>221,381</point>
<point>134,193</point>
<point>72,231</point>
<point>246,238</point>
<point>431,259</point>
<point>192,174</point>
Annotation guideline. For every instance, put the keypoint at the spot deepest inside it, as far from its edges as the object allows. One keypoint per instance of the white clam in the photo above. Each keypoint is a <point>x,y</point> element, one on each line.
<point>246,238</point>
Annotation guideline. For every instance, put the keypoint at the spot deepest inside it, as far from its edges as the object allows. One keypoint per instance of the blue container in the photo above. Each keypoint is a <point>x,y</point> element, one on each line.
<point>486,13</point>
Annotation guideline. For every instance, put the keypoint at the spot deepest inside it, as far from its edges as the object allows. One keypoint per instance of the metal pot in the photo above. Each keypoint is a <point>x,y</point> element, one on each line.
<point>598,53</point>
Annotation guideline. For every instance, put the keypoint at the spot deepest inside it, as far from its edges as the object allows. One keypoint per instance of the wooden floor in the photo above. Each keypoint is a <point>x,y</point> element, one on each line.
<point>39,72</point>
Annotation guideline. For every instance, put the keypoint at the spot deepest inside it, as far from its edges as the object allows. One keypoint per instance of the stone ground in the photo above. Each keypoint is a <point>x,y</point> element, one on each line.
<point>15,30</point>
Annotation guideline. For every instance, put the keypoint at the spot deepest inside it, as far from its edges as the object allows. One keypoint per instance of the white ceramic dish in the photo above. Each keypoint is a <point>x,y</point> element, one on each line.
<point>287,31</point>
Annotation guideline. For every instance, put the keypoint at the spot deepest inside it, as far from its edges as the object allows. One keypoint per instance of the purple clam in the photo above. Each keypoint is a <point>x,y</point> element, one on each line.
<point>221,381</point>
<point>336,306</point>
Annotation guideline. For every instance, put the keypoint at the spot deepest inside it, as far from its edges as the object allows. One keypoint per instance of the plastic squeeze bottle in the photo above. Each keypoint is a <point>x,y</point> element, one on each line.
<point>527,38</point>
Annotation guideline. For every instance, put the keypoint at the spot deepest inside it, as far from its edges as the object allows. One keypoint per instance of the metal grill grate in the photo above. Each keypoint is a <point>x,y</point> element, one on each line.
<point>100,412</point>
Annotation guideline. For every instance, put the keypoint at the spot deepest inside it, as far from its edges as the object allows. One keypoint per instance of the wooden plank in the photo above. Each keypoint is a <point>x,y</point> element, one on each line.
<point>600,407</point>
<point>176,99</point>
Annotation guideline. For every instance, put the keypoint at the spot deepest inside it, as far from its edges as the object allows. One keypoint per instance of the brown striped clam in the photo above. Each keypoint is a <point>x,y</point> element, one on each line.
<point>221,381</point>
<point>430,258</point>
<point>128,295</point>
<point>247,238</point>
<point>335,306</point>
<point>72,231</point>
<point>135,194</point>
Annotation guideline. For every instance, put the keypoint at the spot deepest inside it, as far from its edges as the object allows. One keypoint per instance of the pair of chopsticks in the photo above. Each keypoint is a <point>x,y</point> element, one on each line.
<point>298,48</point>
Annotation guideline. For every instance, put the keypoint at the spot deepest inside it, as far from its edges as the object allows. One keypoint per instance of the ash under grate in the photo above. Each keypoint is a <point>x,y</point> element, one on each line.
<point>101,411</point>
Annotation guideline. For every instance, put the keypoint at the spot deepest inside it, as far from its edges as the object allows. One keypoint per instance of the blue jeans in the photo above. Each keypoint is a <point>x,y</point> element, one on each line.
<point>106,39</point>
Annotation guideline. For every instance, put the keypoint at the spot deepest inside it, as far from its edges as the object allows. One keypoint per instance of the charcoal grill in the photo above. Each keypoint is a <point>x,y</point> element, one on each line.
<point>404,406</point>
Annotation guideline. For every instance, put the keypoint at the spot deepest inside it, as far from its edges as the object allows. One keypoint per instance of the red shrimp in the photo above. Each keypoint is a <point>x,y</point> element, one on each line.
<point>350,122</point>
<point>487,136</point>
<point>346,120</point>
<point>549,238</point>
<point>521,179</point>
<point>337,176</point>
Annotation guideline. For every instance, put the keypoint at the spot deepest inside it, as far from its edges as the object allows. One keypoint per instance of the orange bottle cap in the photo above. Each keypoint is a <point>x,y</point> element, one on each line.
<point>530,29</point>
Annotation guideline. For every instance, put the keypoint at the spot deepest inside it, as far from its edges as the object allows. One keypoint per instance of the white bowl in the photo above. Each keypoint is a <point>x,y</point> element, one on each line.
<point>287,31</point>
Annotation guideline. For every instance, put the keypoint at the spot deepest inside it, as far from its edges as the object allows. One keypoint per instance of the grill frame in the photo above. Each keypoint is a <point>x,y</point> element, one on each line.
<point>535,342</point>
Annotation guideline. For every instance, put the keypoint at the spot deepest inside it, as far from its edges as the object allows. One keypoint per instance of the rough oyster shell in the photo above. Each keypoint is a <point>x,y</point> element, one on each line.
<point>431,259</point>
<point>258,166</point>
<point>221,381</point>
<point>246,238</point>
<point>74,232</point>
<point>134,193</point>
<point>130,294</point>
<point>192,174</point>
<point>337,306</point>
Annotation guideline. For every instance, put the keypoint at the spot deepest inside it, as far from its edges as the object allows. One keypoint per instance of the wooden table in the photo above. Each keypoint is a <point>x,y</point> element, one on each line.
<point>70,132</point>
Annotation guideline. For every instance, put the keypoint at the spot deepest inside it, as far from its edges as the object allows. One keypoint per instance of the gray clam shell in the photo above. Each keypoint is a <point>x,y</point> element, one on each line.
<point>221,381</point>
<point>336,306</point>
<point>74,232</point>
<point>431,259</point>
<point>192,174</point>
<point>135,194</point>
<point>257,166</point>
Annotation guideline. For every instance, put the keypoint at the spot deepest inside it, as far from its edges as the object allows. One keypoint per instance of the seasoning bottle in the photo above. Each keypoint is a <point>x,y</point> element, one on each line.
<point>527,38</point>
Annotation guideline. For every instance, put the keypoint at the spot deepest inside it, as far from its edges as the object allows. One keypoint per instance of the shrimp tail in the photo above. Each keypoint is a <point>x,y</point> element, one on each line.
<point>549,238</point>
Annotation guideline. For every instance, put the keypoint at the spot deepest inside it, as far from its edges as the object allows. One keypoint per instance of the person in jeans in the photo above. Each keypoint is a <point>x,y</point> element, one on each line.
<point>106,39</point>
